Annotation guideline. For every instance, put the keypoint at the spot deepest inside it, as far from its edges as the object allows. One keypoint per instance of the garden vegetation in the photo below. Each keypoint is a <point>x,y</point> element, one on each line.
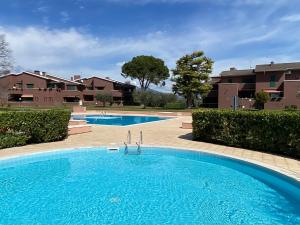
<point>26,127</point>
<point>157,99</point>
<point>269,131</point>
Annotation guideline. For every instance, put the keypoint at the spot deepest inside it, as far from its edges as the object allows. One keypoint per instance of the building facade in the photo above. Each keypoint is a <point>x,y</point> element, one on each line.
<point>42,89</point>
<point>280,81</point>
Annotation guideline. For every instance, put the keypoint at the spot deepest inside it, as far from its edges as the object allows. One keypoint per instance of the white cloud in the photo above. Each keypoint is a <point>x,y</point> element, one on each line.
<point>72,51</point>
<point>37,47</point>
<point>65,17</point>
<point>251,62</point>
<point>291,18</point>
<point>41,9</point>
<point>258,38</point>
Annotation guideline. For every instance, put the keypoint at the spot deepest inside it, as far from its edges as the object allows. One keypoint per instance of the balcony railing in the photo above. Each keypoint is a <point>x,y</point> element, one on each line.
<point>246,86</point>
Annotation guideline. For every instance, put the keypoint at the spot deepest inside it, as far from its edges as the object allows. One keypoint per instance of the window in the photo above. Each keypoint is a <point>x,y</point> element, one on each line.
<point>88,98</point>
<point>230,80</point>
<point>276,96</point>
<point>51,85</point>
<point>71,87</point>
<point>248,80</point>
<point>99,88</point>
<point>19,85</point>
<point>246,94</point>
<point>273,81</point>
<point>29,86</point>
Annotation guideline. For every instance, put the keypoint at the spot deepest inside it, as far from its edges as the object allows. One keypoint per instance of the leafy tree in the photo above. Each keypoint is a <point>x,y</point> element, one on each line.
<point>104,97</point>
<point>3,94</point>
<point>5,56</point>
<point>147,70</point>
<point>142,97</point>
<point>152,98</point>
<point>191,75</point>
<point>261,98</point>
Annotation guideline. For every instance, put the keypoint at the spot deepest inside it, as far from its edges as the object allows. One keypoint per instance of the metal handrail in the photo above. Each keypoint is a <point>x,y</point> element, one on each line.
<point>141,137</point>
<point>129,137</point>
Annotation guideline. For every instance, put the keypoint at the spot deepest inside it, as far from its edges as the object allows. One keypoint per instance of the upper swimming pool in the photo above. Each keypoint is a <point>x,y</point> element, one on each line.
<point>160,186</point>
<point>117,120</point>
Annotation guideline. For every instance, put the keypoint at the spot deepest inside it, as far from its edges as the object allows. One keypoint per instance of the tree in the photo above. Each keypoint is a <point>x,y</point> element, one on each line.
<point>3,93</point>
<point>5,56</point>
<point>191,76</point>
<point>142,97</point>
<point>147,70</point>
<point>261,98</point>
<point>152,98</point>
<point>104,97</point>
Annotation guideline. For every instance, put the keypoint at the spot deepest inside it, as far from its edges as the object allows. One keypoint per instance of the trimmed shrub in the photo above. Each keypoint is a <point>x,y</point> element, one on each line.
<point>270,131</point>
<point>25,127</point>
<point>176,105</point>
<point>12,139</point>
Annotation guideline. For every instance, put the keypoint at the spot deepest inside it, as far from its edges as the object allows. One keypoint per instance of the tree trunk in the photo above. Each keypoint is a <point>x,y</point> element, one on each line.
<point>189,101</point>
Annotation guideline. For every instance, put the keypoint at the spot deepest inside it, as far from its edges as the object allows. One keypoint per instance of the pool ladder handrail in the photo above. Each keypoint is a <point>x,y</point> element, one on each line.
<point>128,142</point>
<point>139,143</point>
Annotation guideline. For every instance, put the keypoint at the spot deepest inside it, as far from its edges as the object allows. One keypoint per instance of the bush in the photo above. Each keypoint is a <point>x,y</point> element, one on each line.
<point>25,127</point>
<point>12,139</point>
<point>261,98</point>
<point>153,99</point>
<point>291,108</point>
<point>104,97</point>
<point>275,132</point>
<point>176,105</point>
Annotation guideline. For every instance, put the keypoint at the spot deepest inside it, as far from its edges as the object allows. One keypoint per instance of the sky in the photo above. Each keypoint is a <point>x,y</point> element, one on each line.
<point>96,37</point>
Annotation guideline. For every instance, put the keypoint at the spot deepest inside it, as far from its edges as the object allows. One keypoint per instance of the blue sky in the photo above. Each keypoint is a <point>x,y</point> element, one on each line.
<point>95,37</point>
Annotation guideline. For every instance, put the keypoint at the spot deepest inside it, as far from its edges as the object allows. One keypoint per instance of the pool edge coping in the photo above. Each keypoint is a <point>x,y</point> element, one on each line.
<point>285,172</point>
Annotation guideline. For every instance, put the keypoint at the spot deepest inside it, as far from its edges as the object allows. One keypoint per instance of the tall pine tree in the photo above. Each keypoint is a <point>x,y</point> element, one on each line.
<point>5,56</point>
<point>191,75</point>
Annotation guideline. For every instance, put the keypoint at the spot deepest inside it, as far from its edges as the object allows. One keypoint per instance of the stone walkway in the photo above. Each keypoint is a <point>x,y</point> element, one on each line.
<point>162,133</point>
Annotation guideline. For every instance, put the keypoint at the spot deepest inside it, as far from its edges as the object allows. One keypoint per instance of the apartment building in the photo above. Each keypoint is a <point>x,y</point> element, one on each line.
<point>280,80</point>
<point>42,89</point>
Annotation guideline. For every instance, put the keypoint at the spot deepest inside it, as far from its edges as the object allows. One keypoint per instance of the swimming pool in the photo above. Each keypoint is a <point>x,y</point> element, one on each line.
<point>117,120</point>
<point>160,186</point>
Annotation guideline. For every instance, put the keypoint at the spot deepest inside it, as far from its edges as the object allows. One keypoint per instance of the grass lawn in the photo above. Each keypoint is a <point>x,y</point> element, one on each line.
<point>108,108</point>
<point>136,108</point>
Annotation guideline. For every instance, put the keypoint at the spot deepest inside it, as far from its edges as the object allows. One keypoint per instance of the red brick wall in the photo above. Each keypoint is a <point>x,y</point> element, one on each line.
<point>226,93</point>
<point>263,80</point>
<point>291,88</point>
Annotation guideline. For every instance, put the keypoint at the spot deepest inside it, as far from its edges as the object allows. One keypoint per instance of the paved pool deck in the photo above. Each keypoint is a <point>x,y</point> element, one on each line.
<point>162,133</point>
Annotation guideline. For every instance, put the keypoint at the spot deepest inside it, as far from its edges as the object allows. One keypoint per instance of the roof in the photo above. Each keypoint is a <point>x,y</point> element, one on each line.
<point>236,72</point>
<point>107,79</point>
<point>277,67</point>
<point>61,79</point>
<point>47,76</point>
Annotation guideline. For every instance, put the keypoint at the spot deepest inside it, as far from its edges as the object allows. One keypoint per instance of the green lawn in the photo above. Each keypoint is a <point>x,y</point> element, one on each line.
<point>123,108</point>
<point>136,108</point>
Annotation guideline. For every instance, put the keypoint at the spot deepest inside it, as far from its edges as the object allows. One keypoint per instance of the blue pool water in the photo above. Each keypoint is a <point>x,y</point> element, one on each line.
<point>118,120</point>
<point>160,186</point>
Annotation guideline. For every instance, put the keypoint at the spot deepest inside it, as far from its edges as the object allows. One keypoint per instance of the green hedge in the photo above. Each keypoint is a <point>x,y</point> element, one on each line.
<point>275,132</point>
<point>175,105</point>
<point>25,127</point>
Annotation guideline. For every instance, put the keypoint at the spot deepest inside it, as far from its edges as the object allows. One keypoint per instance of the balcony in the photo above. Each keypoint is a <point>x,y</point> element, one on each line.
<point>117,93</point>
<point>246,86</point>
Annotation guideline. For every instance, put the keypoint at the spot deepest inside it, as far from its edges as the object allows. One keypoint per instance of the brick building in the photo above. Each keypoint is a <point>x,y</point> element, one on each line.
<point>281,81</point>
<point>42,89</point>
